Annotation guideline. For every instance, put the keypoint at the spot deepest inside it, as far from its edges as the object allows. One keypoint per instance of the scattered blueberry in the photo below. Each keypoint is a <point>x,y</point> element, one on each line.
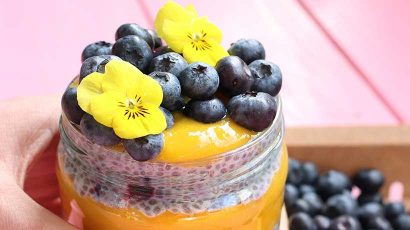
<point>369,198</point>
<point>171,88</point>
<point>144,148</point>
<point>168,62</point>
<point>340,204</point>
<point>207,111</point>
<point>162,50</point>
<point>98,133</point>
<point>345,223</point>
<point>300,205</point>
<point>301,221</point>
<point>234,76</point>
<point>393,210</point>
<point>309,172</point>
<point>368,212</point>
<point>314,201</point>
<point>96,49</point>
<point>157,42</point>
<point>402,222</point>
<point>134,50</point>
<point>70,106</point>
<point>134,29</point>
<point>306,188</point>
<point>168,117</point>
<point>331,183</point>
<point>295,175</point>
<point>369,180</point>
<point>322,222</point>
<point>248,50</point>
<point>95,64</point>
<point>379,223</point>
<point>177,105</point>
<point>267,77</point>
<point>254,111</point>
<point>291,194</point>
<point>199,81</point>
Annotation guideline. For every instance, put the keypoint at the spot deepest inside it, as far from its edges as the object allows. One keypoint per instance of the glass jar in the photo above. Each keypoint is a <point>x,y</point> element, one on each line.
<point>104,188</point>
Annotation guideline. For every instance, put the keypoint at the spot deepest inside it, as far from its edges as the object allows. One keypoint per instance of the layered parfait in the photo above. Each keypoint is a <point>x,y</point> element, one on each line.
<point>185,135</point>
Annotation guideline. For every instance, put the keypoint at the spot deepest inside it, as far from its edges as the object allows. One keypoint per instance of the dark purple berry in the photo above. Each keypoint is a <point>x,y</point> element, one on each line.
<point>98,133</point>
<point>248,50</point>
<point>368,212</point>
<point>402,222</point>
<point>234,76</point>
<point>331,183</point>
<point>134,50</point>
<point>379,223</point>
<point>168,117</point>
<point>370,198</point>
<point>305,188</point>
<point>206,111</point>
<point>345,222</point>
<point>254,111</point>
<point>96,49</point>
<point>144,148</point>
<point>177,105</point>
<point>309,172</point>
<point>199,81</point>
<point>134,29</point>
<point>291,194</point>
<point>168,62</point>
<point>295,175</point>
<point>162,50</point>
<point>267,77</point>
<point>322,222</point>
<point>70,106</point>
<point>300,205</point>
<point>393,210</point>
<point>95,64</point>
<point>157,42</point>
<point>314,201</point>
<point>340,204</point>
<point>301,221</point>
<point>369,180</point>
<point>171,88</point>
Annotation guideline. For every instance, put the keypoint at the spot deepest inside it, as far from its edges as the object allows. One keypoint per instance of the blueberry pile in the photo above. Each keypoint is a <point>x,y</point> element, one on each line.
<point>242,85</point>
<point>320,202</point>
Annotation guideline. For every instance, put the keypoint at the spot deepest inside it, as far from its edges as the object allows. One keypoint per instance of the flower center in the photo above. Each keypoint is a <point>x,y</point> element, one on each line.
<point>198,40</point>
<point>133,108</point>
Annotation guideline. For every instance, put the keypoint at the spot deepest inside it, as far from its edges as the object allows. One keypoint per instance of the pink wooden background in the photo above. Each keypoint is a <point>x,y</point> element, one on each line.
<point>344,62</point>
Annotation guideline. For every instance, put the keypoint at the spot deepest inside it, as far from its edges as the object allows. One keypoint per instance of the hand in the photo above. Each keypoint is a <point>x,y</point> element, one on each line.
<point>28,132</point>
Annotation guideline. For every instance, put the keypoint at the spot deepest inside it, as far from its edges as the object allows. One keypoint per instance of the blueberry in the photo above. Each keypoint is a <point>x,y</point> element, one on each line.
<point>95,49</point>
<point>254,111</point>
<point>369,180</point>
<point>171,88</point>
<point>393,210</point>
<point>134,50</point>
<point>162,50</point>
<point>234,75</point>
<point>157,42</point>
<point>322,222</point>
<point>168,62</point>
<point>98,133</point>
<point>368,198</point>
<point>314,201</point>
<point>144,148</point>
<point>300,205</point>
<point>248,50</point>
<point>199,80</point>
<point>345,222</point>
<point>267,77</point>
<point>301,221</point>
<point>177,105</point>
<point>340,204</point>
<point>379,223</point>
<point>295,175</point>
<point>168,117</point>
<point>95,64</point>
<point>70,106</point>
<point>207,111</point>
<point>134,29</point>
<point>331,183</point>
<point>402,222</point>
<point>291,194</point>
<point>305,188</point>
<point>368,212</point>
<point>310,173</point>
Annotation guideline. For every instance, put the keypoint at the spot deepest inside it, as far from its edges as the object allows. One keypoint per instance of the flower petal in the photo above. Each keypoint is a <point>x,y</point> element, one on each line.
<point>119,75</point>
<point>211,30</point>
<point>210,56</point>
<point>176,35</point>
<point>106,106</point>
<point>148,89</point>
<point>88,89</point>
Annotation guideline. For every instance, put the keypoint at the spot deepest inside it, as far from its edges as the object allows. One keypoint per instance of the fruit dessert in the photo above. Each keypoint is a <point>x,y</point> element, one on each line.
<point>185,135</point>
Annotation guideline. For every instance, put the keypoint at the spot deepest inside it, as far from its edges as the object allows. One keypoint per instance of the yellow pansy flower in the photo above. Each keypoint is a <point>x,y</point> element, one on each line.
<point>195,37</point>
<point>123,98</point>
